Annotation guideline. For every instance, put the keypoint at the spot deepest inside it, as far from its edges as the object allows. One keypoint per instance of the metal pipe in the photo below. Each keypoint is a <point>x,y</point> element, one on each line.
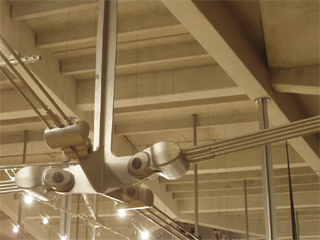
<point>95,213</point>
<point>25,97</point>
<point>6,188</point>
<point>171,227</point>
<point>195,171</point>
<point>14,166</point>
<point>222,147</point>
<point>7,184</point>
<point>18,75</point>
<point>298,227</point>
<point>25,141</point>
<point>10,191</point>
<point>308,125</point>
<point>35,80</point>
<point>267,176</point>
<point>78,211</point>
<point>31,59</point>
<point>246,208</point>
<point>293,220</point>
<point>158,224</point>
<point>172,220</point>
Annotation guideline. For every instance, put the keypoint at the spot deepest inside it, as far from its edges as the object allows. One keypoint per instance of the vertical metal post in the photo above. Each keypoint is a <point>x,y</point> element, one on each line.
<point>196,210</point>
<point>78,211</point>
<point>24,157</point>
<point>269,197</point>
<point>298,229</point>
<point>95,211</point>
<point>65,218</point>
<point>246,208</point>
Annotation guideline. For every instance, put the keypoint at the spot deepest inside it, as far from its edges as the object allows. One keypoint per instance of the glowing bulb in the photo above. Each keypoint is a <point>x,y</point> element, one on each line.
<point>145,235</point>
<point>63,238</point>
<point>28,199</point>
<point>45,221</point>
<point>15,229</point>
<point>122,213</point>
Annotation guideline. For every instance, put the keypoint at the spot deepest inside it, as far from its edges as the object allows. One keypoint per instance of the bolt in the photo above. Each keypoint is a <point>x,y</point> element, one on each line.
<point>57,177</point>
<point>131,191</point>
<point>136,163</point>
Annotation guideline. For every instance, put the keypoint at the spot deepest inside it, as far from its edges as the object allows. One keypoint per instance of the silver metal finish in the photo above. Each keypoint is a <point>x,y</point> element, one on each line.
<point>246,208</point>
<point>8,47</point>
<point>160,225</point>
<point>24,96</point>
<point>195,170</point>
<point>175,223</point>
<point>72,140</point>
<point>269,197</point>
<point>65,217</point>
<point>17,166</point>
<point>25,60</point>
<point>262,137</point>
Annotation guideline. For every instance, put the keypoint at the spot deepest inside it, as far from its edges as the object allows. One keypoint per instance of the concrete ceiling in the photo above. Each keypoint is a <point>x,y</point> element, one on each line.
<point>175,59</point>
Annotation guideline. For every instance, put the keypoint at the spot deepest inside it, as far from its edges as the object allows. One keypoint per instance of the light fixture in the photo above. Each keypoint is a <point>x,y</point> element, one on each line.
<point>15,229</point>
<point>144,235</point>
<point>45,221</point>
<point>122,213</point>
<point>28,199</point>
<point>63,238</point>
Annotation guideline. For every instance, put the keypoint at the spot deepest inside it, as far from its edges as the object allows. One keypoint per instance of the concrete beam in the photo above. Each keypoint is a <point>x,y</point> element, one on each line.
<point>230,204</point>
<point>249,175</point>
<point>236,184</point>
<point>184,123</point>
<point>235,52</point>
<point>36,9</point>
<point>300,80</point>
<point>147,27</point>
<point>21,37</point>
<point>145,60</point>
<point>256,191</point>
<point>164,87</point>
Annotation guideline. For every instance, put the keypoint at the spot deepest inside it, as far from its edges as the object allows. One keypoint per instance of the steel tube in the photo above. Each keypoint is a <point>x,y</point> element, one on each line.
<point>10,191</point>
<point>209,153</point>
<point>13,166</point>
<point>307,124</point>
<point>25,98</point>
<point>269,197</point>
<point>31,59</point>
<point>246,208</point>
<point>8,188</point>
<point>158,224</point>
<point>165,222</point>
<point>172,220</point>
<point>35,80</point>
<point>195,171</point>
<point>18,75</point>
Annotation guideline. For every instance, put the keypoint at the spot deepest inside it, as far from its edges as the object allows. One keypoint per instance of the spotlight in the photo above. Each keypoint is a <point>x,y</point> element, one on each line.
<point>144,235</point>
<point>45,221</point>
<point>63,238</point>
<point>15,229</point>
<point>28,199</point>
<point>122,213</point>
